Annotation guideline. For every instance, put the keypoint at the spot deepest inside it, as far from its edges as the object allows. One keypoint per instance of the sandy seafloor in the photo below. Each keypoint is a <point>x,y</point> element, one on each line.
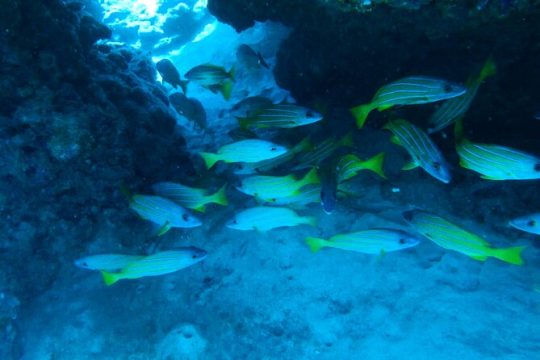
<point>266,296</point>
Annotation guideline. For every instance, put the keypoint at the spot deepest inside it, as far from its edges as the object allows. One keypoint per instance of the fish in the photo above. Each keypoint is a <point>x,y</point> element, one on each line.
<point>455,108</point>
<point>495,162</point>
<point>163,212</point>
<point>190,108</point>
<point>249,105</point>
<point>350,165</point>
<point>267,165</point>
<point>250,58</point>
<point>537,115</point>
<point>214,78</point>
<point>280,116</point>
<point>452,237</point>
<point>248,151</point>
<point>410,90</point>
<point>170,75</point>
<point>106,262</point>
<point>161,263</point>
<point>529,223</point>
<point>190,197</point>
<point>423,151</point>
<point>371,241</point>
<point>266,188</point>
<point>265,218</point>
<point>319,152</point>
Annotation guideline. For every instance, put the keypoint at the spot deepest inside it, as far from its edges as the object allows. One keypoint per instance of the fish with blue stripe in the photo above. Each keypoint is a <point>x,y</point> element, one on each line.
<point>163,212</point>
<point>161,263</point>
<point>190,197</point>
<point>410,90</point>
<point>495,162</point>
<point>452,237</point>
<point>280,116</point>
<point>267,188</point>
<point>455,108</point>
<point>214,78</point>
<point>371,241</point>
<point>421,148</point>
<point>319,152</point>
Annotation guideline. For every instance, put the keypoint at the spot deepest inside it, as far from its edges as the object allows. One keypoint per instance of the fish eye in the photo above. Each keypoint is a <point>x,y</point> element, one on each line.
<point>193,256</point>
<point>531,223</point>
<point>309,113</point>
<point>537,167</point>
<point>84,264</point>
<point>273,149</point>
<point>447,87</point>
<point>185,217</point>
<point>437,165</point>
<point>402,241</point>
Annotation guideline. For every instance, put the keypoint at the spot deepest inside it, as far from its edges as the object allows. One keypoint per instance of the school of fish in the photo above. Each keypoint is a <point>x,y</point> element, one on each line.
<point>280,180</point>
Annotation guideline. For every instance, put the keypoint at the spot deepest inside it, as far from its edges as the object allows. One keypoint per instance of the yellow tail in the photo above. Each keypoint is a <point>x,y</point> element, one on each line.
<point>310,178</point>
<point>209,159</point>
<point>220,197</point>
<point>488,70</point>
<point>110,278</point>
<point>510,255</point>
<point>315,244</point>
<point>226,89</point>
<point>375,164</point>
<point>361,113</point>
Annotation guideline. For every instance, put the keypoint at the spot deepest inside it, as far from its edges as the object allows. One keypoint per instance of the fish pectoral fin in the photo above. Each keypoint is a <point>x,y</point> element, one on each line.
<point>395,140</point>
<point>479,257</point>
<point>163,229</point>
<point>410,165</point>
<point>200,208</point>
<point>486,177</point>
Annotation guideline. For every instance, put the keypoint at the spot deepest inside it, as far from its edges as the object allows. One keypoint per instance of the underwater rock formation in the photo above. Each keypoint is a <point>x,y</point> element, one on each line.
<point>347,53</point>
<point>77,118</point>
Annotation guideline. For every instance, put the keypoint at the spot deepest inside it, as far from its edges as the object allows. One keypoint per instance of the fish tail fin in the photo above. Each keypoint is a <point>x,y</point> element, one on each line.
<point>347,140</point>
<point>226,89</point>
<point>510,255</point>
<point>220,197</point>
<point>315,244</point>
<point>109,278</point>
<point>488,70</point>
<point>375,164</point>
<point>361,113</point>
<point>310,178</point>
<point>209,159</point>
<point>310,220</point>
<point>232,72</point>
<point>183,84</point>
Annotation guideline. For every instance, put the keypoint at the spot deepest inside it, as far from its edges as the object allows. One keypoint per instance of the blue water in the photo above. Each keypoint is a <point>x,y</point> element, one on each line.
<point>84,122</point>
